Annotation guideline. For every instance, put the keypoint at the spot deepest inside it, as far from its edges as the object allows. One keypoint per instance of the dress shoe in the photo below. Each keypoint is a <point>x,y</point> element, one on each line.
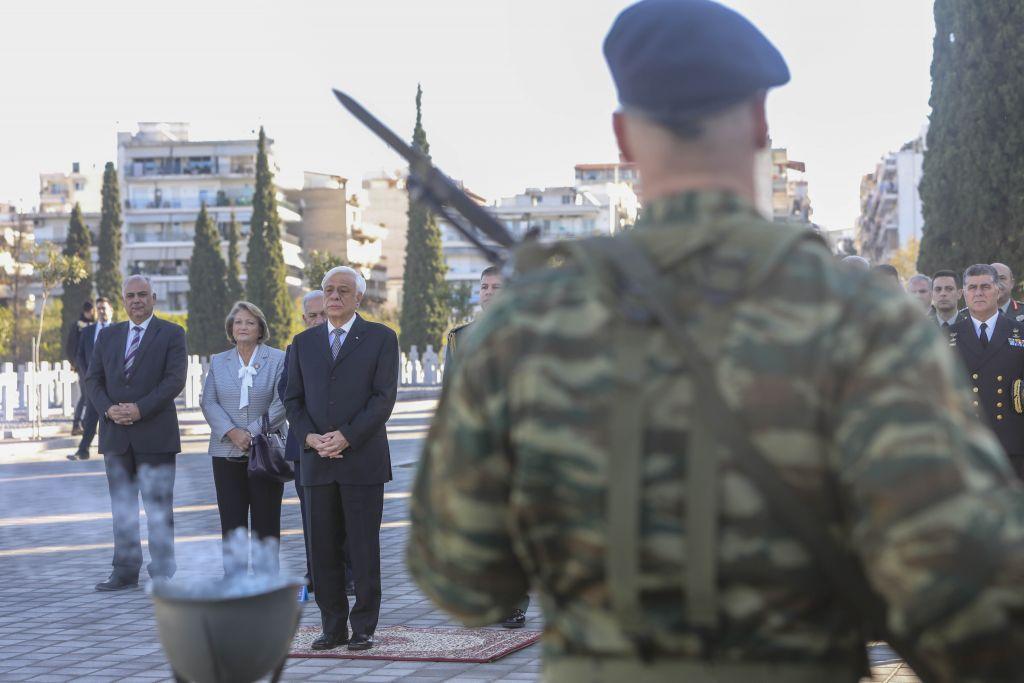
<point>360,642</point>
<point>78,456</point>
<point>515,620</point>
<point>116,582</point>
<point>328,641</point>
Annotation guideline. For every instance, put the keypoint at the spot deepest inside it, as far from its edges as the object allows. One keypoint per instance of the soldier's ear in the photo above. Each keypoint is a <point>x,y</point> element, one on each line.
<point>758,111</point>
<point>622,137</point>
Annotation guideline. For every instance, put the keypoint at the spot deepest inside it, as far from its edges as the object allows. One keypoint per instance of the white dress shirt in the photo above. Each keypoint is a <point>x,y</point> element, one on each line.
<point>131,332</point>
<point>344,330</point>
<point>991,322</point>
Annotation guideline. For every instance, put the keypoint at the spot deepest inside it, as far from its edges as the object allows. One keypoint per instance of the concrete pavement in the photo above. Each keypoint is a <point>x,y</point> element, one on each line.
<point>55,544</point>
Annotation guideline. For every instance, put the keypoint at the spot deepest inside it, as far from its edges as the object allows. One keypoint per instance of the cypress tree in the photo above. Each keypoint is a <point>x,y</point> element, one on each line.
<point>234,272</point>
<point>207,291</point>
<point>108,272</point>
<point>76,292</point>
<point>264,264</point>
<point>974,166</point>
<point>424,293</point>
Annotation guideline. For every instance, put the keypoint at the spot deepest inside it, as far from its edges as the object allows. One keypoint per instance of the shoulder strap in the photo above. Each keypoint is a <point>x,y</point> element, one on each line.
<point>643,285</point>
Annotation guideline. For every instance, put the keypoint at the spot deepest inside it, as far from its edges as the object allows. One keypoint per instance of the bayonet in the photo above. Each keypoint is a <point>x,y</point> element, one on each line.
<point>428,184</point>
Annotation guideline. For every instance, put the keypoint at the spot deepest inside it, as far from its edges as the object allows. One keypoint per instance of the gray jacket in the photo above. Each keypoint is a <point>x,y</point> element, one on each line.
<point>222,390</point>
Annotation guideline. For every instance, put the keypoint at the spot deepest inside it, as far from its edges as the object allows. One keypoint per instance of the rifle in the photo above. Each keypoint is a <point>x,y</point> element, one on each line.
<point>428,185</point>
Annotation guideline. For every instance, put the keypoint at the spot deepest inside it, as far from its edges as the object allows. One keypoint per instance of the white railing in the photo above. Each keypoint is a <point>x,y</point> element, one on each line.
<point>51,390</point>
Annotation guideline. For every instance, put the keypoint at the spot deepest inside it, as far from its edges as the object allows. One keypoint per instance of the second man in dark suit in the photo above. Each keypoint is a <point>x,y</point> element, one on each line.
<point>992,348</point>
<point>86,343</point>
<point>136,371</point>
<point>342,385</point>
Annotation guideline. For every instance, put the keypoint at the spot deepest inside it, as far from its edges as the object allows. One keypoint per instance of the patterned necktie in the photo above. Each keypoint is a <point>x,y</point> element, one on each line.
<point>336,342</point>
<point>983,338</point>
<point>133,348</point>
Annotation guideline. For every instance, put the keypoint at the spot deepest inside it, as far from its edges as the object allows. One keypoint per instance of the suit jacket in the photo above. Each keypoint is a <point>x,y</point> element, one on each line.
<point>353,394</point>
<point>158,376</point>
<point>221,392</point>
<point>86,344</point>
<point>994,373</point>
<point>291,446</point>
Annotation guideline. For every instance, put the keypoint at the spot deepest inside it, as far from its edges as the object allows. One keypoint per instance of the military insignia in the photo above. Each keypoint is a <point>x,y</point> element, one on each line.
<point>257,366</point>
<point>1020,318</point>
<point>952,338</point>
<point>1016,398</point>
<point>1019,343</point>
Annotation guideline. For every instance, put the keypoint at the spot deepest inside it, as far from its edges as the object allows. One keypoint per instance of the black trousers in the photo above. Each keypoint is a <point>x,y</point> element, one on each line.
<point>241,498</point>
<point>83,402</point>
<point>339,517</point>
<point>89,421</point>
<point>152,475</point>
<point>300,491</point>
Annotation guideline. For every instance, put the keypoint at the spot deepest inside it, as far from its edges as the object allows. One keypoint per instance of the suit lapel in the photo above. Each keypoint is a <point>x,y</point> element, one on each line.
<point>352,339</point>
<point>119,338</point>
<point>231,367</point>
<point>148,336</point>
<point>322,341</point>
<point>968,341</point>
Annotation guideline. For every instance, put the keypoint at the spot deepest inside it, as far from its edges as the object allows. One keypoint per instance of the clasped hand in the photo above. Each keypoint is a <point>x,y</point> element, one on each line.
<point>124,413</point>
<point>241,438</point>
<point>329,445</point>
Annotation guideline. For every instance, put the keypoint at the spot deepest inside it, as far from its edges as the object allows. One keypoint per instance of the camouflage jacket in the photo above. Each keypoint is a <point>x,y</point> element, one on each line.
<point>847,389</point>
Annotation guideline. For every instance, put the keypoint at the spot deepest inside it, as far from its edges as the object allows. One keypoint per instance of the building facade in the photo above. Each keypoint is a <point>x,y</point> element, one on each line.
<point>890,216</point>
<point>165,177</point>
<point>555,213</point>
<point>333,223</point>
<point>387,207</point>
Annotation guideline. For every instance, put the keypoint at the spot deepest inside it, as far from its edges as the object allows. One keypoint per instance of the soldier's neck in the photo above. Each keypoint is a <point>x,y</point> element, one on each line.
<point>669,186</point>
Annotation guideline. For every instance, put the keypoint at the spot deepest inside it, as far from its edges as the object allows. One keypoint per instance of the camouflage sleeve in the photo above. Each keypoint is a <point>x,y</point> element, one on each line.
<point>460,547</point>
<point>937,515</point>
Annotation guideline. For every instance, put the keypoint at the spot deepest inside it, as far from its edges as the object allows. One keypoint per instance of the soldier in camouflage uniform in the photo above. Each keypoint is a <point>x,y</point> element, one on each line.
<point>846,390</point>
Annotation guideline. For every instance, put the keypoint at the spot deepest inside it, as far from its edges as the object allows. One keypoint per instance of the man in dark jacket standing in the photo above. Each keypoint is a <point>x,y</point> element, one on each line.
<point>136,371</point>
<point>71,354</point>
<point>86,344</point>
<point>342,386</point>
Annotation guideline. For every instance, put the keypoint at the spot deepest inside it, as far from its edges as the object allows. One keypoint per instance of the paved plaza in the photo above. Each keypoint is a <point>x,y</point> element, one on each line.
<point>55,544</point>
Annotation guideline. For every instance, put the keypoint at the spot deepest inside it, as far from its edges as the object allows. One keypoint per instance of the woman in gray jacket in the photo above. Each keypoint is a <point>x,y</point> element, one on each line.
<point>240,389</point>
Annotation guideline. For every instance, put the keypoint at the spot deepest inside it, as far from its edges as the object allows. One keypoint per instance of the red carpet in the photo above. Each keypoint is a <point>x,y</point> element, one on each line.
<point>435,644</point>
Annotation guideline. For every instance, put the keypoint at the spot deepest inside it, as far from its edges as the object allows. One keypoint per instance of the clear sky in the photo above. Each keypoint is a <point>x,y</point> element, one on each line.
<point>516,92</point>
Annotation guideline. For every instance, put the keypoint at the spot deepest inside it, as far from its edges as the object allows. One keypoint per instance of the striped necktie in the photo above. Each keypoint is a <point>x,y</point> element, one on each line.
<point>133,349</point>
<point>336,342</point>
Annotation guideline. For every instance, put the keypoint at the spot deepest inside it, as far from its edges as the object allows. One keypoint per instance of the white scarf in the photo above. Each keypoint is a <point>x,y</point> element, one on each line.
<point>246,373</point>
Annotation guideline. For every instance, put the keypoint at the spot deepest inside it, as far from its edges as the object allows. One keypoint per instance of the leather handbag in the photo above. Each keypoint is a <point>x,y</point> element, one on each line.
<point>266,455</point>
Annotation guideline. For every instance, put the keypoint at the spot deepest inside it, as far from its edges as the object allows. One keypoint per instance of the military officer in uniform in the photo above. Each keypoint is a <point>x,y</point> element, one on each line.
<point>490,285</point>
<point>946,294</point>
<point>581,450</point>
<point>1009,306</point>
<point>992,348</point>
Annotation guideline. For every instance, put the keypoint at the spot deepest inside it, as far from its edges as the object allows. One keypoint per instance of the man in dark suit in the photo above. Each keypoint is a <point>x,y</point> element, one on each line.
<point>137,369</point>
<point>342,386</point>
<point>992,348</point>
<point>86,343</point>
<point>86,318</point>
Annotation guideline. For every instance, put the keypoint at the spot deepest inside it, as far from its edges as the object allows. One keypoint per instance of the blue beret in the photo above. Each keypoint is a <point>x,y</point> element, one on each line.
<point>676,61</point>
